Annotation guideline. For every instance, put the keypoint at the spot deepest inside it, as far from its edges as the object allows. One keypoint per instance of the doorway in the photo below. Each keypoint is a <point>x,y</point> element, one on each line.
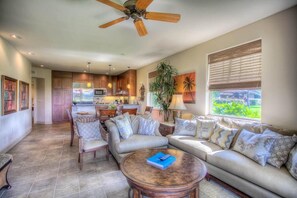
<point>38,100</point>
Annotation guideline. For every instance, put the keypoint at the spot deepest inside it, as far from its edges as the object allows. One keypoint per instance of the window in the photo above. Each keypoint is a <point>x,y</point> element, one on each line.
<point>151,96</point>
<point>235,81</point>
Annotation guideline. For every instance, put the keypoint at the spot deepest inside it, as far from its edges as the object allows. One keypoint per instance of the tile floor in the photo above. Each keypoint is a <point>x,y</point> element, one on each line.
<point>45,166</point>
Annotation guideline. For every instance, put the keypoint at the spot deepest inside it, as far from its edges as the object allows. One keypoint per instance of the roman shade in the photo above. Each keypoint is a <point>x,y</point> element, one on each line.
<point>236,68</point>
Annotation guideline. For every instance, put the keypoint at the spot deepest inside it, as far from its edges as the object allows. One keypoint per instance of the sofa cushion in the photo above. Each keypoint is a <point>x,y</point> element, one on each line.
<point>197,147</point>
<point>268,177</point>
<point>185,127</point>
<point>223,136</point>
<point>280,148</point>
<point>136,142</point>
<point>147,126</point>
<point>255,146</point>
<point>124,127</point>
<point>205,128</point>
<point>292,162</point>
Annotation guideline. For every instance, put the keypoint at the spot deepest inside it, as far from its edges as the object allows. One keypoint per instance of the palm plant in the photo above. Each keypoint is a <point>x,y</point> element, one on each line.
<point>189,85</point>
<point>163,86</point>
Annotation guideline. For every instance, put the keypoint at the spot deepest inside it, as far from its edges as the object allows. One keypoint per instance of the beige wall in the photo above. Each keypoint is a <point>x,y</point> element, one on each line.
<point>14,126</point>
<point>45,74</point>
<point>279,79</point>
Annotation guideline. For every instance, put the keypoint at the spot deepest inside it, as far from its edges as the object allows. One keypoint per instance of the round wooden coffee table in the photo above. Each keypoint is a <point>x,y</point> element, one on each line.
<point>179,180</point>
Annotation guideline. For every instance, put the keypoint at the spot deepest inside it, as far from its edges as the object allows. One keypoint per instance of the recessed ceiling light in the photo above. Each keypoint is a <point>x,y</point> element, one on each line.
<point>15,36</point>
<point>41,65</point>
<point>113,68</point>
<point>31,53</point>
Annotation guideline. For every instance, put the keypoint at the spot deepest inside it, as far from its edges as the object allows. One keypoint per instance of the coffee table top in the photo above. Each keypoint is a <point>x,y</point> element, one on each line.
<point>185,172</point>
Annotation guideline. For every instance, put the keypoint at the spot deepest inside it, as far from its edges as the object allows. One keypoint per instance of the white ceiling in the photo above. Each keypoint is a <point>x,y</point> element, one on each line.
<point>64,34</point>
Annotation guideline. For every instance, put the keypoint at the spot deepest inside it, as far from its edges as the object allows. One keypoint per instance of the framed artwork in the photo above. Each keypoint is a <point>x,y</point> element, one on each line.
<point>9,95</point>
<point>24,95</point>
<point>186,85</point>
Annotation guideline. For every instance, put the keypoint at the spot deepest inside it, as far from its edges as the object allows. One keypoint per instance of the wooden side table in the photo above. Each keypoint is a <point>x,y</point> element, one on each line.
<point>166,128</point>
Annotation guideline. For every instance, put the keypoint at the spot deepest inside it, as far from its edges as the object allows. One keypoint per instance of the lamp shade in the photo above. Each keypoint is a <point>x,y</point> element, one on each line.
<point>177,103</point>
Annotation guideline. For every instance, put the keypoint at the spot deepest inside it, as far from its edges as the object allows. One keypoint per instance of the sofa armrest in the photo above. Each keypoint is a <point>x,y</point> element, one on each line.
<point>114,137</point>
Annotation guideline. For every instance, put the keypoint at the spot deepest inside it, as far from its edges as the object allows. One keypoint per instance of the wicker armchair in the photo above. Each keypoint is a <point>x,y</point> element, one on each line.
<point>90,145</point>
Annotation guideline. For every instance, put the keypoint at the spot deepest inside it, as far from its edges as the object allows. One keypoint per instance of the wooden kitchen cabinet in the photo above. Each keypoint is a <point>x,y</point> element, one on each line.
<point>61,95</point>
<point>125,79</point>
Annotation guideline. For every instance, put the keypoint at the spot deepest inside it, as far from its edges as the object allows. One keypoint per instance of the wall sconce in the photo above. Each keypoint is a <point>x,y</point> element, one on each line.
<point>128,86</point>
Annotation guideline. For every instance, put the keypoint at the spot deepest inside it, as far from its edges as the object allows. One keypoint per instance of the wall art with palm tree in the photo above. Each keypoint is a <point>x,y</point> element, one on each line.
<point>186,85</point>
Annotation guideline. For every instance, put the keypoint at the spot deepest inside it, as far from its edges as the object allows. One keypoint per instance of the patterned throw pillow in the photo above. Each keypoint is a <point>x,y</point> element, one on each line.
<point>280,148</point>
<point>223,136</point>
<point>254,146</point>
<point>292,162</point>
<point>205,128</point>
<point>185,127</point>
<point>147,126</point>
<point>89,130</point>
<point>124,127</point>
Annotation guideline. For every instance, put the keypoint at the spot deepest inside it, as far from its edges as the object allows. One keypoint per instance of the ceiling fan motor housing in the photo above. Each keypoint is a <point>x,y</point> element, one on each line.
<point>132,11</point>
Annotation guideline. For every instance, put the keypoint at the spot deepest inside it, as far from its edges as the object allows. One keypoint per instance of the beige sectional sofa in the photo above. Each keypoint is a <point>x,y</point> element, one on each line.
<point>237,170</point>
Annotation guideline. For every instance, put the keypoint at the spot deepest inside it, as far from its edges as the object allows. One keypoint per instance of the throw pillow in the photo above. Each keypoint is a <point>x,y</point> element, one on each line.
<point>185,127</point>
<point>254,146</point>
<point>205,128</point>
<point>147,126</point>
<point>124,127</point>
<point>89,130</point>
<point>223,136</point>
<point>280,148</point>
<point>292,162</point>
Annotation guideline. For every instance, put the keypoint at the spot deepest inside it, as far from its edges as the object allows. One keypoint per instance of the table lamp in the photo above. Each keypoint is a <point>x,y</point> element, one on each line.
<point>177,105</point>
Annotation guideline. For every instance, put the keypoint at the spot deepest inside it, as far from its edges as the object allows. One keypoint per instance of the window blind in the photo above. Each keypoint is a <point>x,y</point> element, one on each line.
<point>236,68</point>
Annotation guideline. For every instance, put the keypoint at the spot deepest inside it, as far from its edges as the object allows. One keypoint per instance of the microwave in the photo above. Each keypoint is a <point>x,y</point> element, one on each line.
<point>100,92</point>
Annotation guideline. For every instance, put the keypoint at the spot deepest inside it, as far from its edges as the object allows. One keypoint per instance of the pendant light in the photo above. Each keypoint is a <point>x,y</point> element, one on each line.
<point>109,85</point>
<point>89,84</point>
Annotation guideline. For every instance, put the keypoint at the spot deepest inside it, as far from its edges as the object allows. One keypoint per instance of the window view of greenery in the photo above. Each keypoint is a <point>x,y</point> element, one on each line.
<point>239,103</point>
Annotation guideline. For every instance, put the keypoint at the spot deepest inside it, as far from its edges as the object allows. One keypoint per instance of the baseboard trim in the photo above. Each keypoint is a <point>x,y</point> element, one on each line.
<point>28,131</point>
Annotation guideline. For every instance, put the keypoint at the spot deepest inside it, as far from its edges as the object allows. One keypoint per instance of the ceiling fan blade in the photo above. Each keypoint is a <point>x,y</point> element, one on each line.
<point>112,4</point>
<point>143,4</point>
<point>113,22</point>
<point>140,27</point>
<point>159,16</point>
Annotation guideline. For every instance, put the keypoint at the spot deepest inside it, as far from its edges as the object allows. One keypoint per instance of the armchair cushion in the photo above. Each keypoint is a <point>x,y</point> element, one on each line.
<point>89,130</point>
<point>136,142</point>
<point>93,144</point>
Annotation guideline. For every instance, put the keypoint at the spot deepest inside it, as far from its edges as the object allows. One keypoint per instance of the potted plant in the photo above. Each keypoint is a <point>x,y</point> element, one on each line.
<point>163,87</point>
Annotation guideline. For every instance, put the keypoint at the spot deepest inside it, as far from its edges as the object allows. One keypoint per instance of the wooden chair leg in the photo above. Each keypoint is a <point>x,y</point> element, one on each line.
<point>94,154</point>
<point>81,161</point>
<point>79,158</point>
<point>72,137</point>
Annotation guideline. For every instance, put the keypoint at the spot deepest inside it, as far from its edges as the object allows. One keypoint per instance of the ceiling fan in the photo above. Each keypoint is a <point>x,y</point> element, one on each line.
<point>136,9</point>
